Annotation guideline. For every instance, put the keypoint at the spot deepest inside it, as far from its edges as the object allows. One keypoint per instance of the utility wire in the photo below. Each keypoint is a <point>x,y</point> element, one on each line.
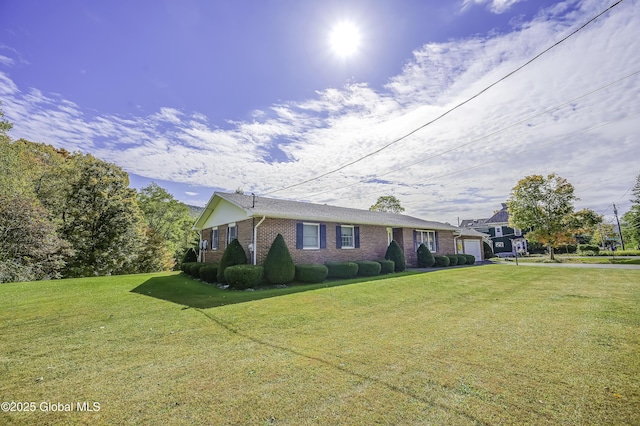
<point>395,141</point>
<point>549,110</point>
<point>510,156</point>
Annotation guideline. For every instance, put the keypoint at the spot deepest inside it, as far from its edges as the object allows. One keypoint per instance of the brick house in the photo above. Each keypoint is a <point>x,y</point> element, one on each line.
<point>316,233</point>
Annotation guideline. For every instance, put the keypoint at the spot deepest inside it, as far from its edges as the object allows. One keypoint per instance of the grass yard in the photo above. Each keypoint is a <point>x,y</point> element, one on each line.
<point>483,345</point>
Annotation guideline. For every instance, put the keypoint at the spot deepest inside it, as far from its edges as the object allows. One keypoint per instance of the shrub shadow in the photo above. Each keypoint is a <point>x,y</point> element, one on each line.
<point>183,290</point>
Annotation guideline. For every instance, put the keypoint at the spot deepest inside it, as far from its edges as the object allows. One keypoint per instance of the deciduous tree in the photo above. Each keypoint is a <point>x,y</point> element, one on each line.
<point>544,206</point>
<point>169,218</point>
<point>387,203</point>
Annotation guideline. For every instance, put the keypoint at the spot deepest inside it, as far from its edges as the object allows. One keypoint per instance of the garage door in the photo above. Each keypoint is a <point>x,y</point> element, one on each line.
<point>473,247</point>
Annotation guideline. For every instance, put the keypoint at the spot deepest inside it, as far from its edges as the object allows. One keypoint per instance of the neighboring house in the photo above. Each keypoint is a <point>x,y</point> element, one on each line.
<point>316,233</point>
<point>505,240</point>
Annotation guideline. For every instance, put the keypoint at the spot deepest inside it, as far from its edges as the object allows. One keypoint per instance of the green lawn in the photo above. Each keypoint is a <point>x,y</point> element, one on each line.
<point>482,345</point>
<point>598,260</point>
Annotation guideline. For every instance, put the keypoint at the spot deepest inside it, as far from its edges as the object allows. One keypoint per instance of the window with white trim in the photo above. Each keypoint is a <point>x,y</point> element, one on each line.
<point>347,237</point>
<point>498,231</point>
<point>310,235</point>
<point>428,238</point>
<point>517,232</point>
<point>232,232</point>
<point>214,238</point>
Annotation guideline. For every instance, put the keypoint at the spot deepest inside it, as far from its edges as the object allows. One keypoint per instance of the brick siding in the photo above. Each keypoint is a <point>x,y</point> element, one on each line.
<point>373,242</point>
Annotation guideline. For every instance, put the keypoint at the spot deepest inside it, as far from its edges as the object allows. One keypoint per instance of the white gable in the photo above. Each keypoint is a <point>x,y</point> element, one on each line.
<point>224,213</point>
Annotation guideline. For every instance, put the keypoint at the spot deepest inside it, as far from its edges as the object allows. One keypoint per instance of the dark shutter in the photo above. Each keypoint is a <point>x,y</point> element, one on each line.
<point>299,235</point>
<point>435,243</point>
<point>338,236</point>
<point>323,236</point>
<point>356,236</point>
<point>415,240</point>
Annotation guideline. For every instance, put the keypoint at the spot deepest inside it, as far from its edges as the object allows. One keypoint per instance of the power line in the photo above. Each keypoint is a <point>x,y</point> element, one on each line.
<point>395,141</point>
<point>510,156</point>
<point>549,110</point>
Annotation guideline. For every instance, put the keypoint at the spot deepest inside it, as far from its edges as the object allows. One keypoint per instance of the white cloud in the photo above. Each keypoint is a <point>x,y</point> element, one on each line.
<point>495,6</point>
<point>462,165</point>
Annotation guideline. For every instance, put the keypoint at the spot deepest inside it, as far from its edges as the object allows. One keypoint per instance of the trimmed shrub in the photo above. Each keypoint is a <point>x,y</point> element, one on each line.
<point>453,259</point>
<point>442,261</point>
<point>488,250</point>
<point>194,269</point>
<point>342,269</point>
<point>278,265</point>
<point>471,259</point>
<point>209,272</point>
<point>367,268</point>
<point>462,259</point>
<point>425,258</point>
<point>395,253</point>
<point>233,255</point>
<point>186,267</point>
<point>311,273</point>
<point>190,256</point>
<point>243,276</point>
<point>387,266</point>
<point>588,249</point>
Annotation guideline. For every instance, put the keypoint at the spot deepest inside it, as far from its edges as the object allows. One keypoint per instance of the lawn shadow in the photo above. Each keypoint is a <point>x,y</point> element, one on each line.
<point>182,289</point>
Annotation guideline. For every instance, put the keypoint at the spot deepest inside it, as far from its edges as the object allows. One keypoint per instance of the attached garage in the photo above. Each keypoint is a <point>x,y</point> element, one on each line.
<point>473,247</point>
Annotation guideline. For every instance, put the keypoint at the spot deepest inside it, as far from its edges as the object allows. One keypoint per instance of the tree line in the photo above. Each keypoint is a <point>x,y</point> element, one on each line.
<point>66,214</point>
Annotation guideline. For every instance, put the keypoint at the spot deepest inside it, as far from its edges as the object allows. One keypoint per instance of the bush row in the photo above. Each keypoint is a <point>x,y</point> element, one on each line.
<point>588,249</point>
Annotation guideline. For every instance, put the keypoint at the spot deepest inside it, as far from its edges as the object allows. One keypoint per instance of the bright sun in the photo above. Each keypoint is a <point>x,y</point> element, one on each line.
<point>345,39</point>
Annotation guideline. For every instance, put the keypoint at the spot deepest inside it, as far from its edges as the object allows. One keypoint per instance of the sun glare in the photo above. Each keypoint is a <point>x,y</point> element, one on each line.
<point>345,39</point>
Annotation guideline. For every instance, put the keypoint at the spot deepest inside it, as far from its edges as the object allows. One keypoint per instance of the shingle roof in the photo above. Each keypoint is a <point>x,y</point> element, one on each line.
<point>286,209</point>
<point>501,216</point>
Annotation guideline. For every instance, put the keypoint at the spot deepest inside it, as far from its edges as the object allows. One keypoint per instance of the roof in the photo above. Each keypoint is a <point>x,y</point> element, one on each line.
<point>501,216</point>
<point>469,223</point>
<point>286,209</point>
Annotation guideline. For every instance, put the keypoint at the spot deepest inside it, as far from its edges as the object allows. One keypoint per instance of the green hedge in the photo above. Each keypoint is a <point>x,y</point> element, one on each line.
<point>588,249</point>
<point>278,265</point>
<point>209,272</point>
<point>194,269</point>
<point>395,253</point>
<point>386,266</point>
<point>425,258</point>
<point>442,261</point>
<point>243,276</point>
<point>462,259</point>
<point>471,259</point>
<point>342,269</point>
<point>190,256</point>
<point>233,255</point>
<point>453,259</point>
<point>186,267</point>
<point>311,273</point>
<point>368,268</point>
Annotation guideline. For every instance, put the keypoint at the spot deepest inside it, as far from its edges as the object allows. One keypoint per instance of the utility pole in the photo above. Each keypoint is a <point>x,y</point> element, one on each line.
<point>615,211</point>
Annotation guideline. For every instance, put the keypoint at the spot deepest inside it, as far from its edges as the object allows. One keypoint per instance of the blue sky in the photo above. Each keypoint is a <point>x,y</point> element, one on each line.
<point>200,96</point>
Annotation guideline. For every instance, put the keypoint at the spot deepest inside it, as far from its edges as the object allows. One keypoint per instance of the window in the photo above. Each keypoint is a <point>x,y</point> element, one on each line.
<point>214,239</point>
<point>389,235</point>
<point>517,232</point>
<point>232,232</point>
<point>346,237</point>
<point>499,244</point>
<point>311,236</point>
<point>498,231</point>
<point>428,238</point>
